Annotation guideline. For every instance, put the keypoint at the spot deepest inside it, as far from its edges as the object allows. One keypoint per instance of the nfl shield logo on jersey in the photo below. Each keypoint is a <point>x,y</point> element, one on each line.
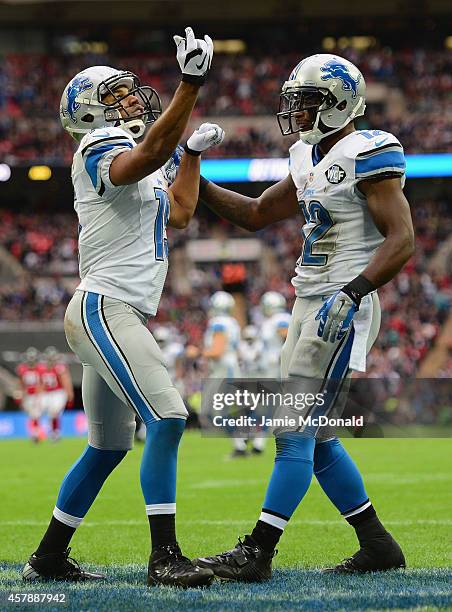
<point>335,174</point>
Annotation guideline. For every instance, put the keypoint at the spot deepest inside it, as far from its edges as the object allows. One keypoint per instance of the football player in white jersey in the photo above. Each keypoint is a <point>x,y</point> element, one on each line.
<point>124,202</point>
<point>250,352</point>
<point>221,343</point>
<point>274,332</point>
<point>357,234</point>
<point>222,337</point>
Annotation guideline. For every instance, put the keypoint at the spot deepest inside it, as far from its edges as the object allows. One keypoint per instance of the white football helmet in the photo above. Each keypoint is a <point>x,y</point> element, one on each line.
<point>272,302</point>
<point>330,87</point>
<point>82,109</point>
<point>31,355</point>
<point>51,354</point>
<point>221,303</point>
<point>162,335</point>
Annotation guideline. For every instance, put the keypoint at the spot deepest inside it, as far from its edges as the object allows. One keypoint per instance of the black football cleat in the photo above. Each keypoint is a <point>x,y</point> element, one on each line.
<point>56,566</point>
<point>168,567</point>
<point>247,562</point>
<point>377,555</point>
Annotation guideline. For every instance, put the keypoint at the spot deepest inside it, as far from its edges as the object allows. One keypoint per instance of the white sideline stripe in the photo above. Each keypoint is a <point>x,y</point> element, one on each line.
<point>67,519</point>
<point>133,523</point>
<point>275,521</point>
<point>357,511</point>
<point>152,509</point>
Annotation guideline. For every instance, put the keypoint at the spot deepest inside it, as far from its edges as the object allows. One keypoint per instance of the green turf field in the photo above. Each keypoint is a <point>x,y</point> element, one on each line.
<point>409,481</point>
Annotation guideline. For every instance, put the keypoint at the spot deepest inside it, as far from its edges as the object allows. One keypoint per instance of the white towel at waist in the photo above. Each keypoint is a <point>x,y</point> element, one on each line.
<point>369,311</point>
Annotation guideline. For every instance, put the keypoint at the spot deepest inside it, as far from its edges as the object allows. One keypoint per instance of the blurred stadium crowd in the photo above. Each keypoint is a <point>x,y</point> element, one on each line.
<point>419,112</point>
<point>414,305</point>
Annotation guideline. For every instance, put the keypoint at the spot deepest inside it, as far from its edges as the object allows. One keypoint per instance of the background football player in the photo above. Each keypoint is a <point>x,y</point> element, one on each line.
<point>274,332</point>
<point>251,349</point>
<point>124,201</point>
<point>357,236</point>
<point>57,388</point>
<point>221,343</point>
<point>31,391</point>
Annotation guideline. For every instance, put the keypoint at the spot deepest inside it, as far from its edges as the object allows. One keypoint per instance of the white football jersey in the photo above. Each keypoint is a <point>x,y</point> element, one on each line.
<point>273,342</point>
<point>123,250</point>
<point>250,355</point>
<point>339,234</point>
<point>171,353</point>
<point>228,364</point>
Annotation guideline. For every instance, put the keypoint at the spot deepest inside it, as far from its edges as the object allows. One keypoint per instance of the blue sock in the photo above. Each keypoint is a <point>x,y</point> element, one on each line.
<point>339,477</point>
<point>83,482</point>
<point>291,477</point>
<point>158,478</point>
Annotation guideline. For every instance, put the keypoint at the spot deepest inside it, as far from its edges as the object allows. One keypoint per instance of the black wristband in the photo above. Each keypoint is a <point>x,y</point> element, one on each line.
<point>191,151</point>
<point>203,182</point>
<point>358,288</point>
<point>194,79</point>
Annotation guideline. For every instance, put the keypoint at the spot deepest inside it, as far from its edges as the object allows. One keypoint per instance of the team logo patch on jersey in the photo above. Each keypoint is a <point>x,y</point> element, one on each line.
<point>335,174</point>
<point>336,70</point>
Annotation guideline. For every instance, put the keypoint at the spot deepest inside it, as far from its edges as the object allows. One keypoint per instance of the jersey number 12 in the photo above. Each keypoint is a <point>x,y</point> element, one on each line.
<point>315,213</point>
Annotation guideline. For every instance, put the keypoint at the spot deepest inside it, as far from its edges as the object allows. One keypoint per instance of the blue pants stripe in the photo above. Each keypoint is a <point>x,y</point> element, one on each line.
<point>113,360</point>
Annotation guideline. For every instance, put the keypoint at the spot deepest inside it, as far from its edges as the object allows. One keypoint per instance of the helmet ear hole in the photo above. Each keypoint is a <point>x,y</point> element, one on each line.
<point>88,118</point>
<point>342,105</point>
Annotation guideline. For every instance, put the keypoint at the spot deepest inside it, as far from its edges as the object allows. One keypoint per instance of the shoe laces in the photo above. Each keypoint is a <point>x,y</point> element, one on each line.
<point>71,564</point>
<point>174,553</point>
<point>246,548</point>
<point>354,559</point>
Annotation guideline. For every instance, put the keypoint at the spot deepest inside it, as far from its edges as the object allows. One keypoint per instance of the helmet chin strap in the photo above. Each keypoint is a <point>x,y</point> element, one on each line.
<point>135,127</point>
<point>315,135</point>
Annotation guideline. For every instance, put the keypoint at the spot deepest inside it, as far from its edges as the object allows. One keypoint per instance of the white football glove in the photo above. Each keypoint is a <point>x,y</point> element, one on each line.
<point>336,316</point>
<point>206,136</point>
<point>194,56</point>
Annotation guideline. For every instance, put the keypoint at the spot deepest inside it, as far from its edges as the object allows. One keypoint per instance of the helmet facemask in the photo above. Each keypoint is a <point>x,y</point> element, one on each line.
<point>298,99</point>
<point>117,114</point>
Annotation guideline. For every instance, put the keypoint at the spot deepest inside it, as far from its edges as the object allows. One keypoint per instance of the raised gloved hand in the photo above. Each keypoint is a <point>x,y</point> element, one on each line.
<point>194,56</point>
<point>171,167</point>
<point>206,136</point>
<point>336,316</point>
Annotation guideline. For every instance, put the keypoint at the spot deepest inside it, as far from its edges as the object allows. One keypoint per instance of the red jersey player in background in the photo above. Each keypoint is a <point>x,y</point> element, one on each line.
<point>31,390</point>
<point>57,388</point>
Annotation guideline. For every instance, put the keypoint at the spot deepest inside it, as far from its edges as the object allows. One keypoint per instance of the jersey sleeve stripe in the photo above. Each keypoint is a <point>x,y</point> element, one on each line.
<point>391,146</point>
<point>393,161</point>
<point>218,327</point>
<point>93,158</point>
<point>120,139</point>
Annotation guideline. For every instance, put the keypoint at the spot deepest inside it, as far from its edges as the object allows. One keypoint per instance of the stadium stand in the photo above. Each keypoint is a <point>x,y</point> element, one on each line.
<point>414,306</point>
<point>409,93</point>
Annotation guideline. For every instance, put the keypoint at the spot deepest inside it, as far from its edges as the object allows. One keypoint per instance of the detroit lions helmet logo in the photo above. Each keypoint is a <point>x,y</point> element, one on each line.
<point>75,87</point>
<point>334,69</point>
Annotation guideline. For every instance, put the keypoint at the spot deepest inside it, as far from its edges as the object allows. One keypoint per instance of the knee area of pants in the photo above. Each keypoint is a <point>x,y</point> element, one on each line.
<point>166,430</point>
<point>106,457</point>
<point>294,447</point>
<point>327,454</point>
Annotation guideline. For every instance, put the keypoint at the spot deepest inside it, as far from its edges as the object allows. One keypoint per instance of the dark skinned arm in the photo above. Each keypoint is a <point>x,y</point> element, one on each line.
<point>278,202</point>
<point>183,193</point>
<point>391,214</point>
<point>159,142</point>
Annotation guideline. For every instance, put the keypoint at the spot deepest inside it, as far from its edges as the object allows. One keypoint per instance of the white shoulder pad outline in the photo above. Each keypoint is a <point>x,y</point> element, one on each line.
<point>374,153</point>
<point>98,149</point>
